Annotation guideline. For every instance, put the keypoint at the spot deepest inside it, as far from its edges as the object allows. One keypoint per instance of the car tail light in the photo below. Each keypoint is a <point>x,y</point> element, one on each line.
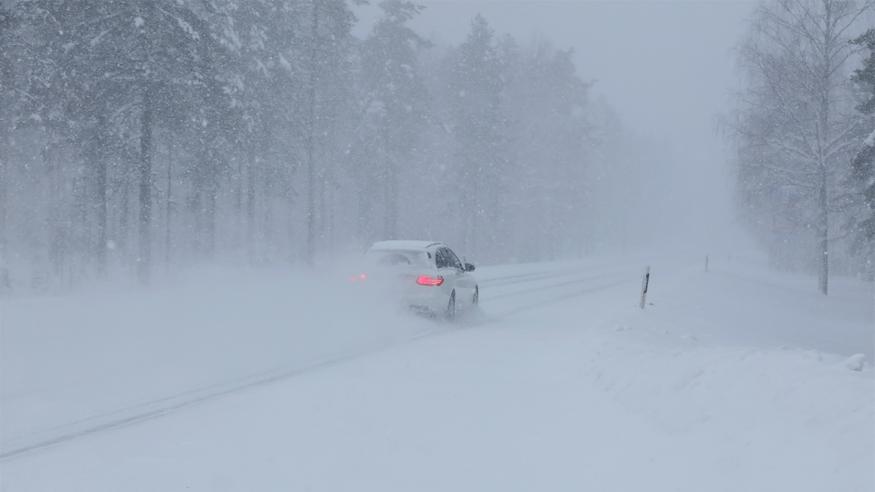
<point>359,278</point>
<point>430,281</point>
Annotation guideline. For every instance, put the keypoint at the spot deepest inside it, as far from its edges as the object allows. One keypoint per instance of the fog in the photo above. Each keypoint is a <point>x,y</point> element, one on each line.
<point>437,245</point>
<point>254,134</point>
<point>668,91</point>
<point>666,67</point>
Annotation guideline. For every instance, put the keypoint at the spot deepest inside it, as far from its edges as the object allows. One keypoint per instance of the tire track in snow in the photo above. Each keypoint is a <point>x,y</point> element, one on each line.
<point>552,286</point>
<point>156,408</point>
<point>529,277</point>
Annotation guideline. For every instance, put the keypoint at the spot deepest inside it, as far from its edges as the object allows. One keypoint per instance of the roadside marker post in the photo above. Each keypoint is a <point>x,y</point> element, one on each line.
<point>645,283</point>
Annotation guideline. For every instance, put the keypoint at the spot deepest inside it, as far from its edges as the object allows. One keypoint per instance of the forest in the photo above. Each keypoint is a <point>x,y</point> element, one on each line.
<point>141,136</point>
<point>144,134</point>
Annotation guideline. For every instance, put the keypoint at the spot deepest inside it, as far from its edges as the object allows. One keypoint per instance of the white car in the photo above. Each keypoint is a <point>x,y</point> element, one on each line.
<point>425,276</point>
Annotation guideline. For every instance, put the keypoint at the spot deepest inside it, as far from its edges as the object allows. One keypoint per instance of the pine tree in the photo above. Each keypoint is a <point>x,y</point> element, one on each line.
<point>245,110</point>
<point>863,164</point>
<point>112,66</point>
<point>547,103</point>
<point>396,95</point>
<point>320,59</point>
<point>479,126</point>
<point>8,47</point>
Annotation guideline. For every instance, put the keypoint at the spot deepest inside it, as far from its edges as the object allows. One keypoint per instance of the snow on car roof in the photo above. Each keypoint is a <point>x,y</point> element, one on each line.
<point>403,245</point>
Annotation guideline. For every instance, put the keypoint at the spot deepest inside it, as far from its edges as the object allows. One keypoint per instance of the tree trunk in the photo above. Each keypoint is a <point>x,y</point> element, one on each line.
<point>365,226</point>
<point>331,215</point>
<point>79,226</point>
<point>311,134</point>
<point>267,218</point>
<point>823,232</point>
<point>122,238</point>
<point>238,206</point>
<point>311,202</point>
<point>100,197</point>
<point>823,135</point>
<point>144,259</point>
<point>250,211</point>
<point>390,198</point>
<point>210,217</point>
<point>168,206</point>
<point>58,237</point>
<point>473,212</point>
<point>195,204</point>
<point>321,230</point>
<point>4,190</point>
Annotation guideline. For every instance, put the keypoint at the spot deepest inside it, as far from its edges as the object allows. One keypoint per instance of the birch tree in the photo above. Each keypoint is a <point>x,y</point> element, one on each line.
<point>797,106</point>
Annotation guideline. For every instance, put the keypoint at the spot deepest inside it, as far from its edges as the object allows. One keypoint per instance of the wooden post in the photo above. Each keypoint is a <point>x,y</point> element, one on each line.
<point>645,283</point>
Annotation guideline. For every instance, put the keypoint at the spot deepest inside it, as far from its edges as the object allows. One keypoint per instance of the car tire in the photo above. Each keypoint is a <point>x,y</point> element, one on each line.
<point>451,307</point>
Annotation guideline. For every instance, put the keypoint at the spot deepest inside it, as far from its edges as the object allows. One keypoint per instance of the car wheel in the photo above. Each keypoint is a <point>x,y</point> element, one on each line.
<point>451,307</point>
<point>476,299</point>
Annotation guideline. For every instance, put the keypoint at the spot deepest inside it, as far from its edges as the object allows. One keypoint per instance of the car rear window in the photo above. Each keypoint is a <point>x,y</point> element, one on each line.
<point>398,258</point>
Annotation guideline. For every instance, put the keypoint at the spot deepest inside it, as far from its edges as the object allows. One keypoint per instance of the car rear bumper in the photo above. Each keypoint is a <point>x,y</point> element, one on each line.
<point>431,300</point>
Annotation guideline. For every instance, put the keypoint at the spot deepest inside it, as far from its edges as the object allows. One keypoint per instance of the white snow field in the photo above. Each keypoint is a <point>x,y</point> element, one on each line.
<point>732,380</point>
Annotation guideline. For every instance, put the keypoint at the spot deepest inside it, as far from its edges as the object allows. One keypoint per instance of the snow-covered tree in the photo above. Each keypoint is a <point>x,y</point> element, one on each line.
<point>547,102</point>
<point>797,112</point>
<point>117,68</point>
<point>323,45</point>
<point>396,98</point>
<point>863,164</point>
<point>479,126</point>
<point>265,127</point>
<point>9,45</point>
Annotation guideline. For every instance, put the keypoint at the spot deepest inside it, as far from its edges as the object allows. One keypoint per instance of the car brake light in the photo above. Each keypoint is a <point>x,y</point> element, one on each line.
<point>359,278</point>
<point>430,281</point>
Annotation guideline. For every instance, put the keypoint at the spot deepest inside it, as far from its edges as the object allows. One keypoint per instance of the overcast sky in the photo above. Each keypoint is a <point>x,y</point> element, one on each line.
<point>667,67</point>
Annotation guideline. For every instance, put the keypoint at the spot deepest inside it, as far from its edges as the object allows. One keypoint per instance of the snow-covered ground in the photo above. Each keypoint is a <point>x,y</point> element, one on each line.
<point>735,379</point>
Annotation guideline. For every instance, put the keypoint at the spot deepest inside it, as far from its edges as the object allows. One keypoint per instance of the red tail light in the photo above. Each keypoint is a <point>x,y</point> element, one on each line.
<point>359,278</point>
<point>430,281</point>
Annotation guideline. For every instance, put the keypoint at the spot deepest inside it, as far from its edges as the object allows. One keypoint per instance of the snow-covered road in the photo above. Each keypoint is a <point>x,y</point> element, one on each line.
<point>102,389</point>
<point>559,383</point>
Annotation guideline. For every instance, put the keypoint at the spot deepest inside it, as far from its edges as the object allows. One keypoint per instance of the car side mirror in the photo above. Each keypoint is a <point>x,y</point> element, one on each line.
<point>469,267</point>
